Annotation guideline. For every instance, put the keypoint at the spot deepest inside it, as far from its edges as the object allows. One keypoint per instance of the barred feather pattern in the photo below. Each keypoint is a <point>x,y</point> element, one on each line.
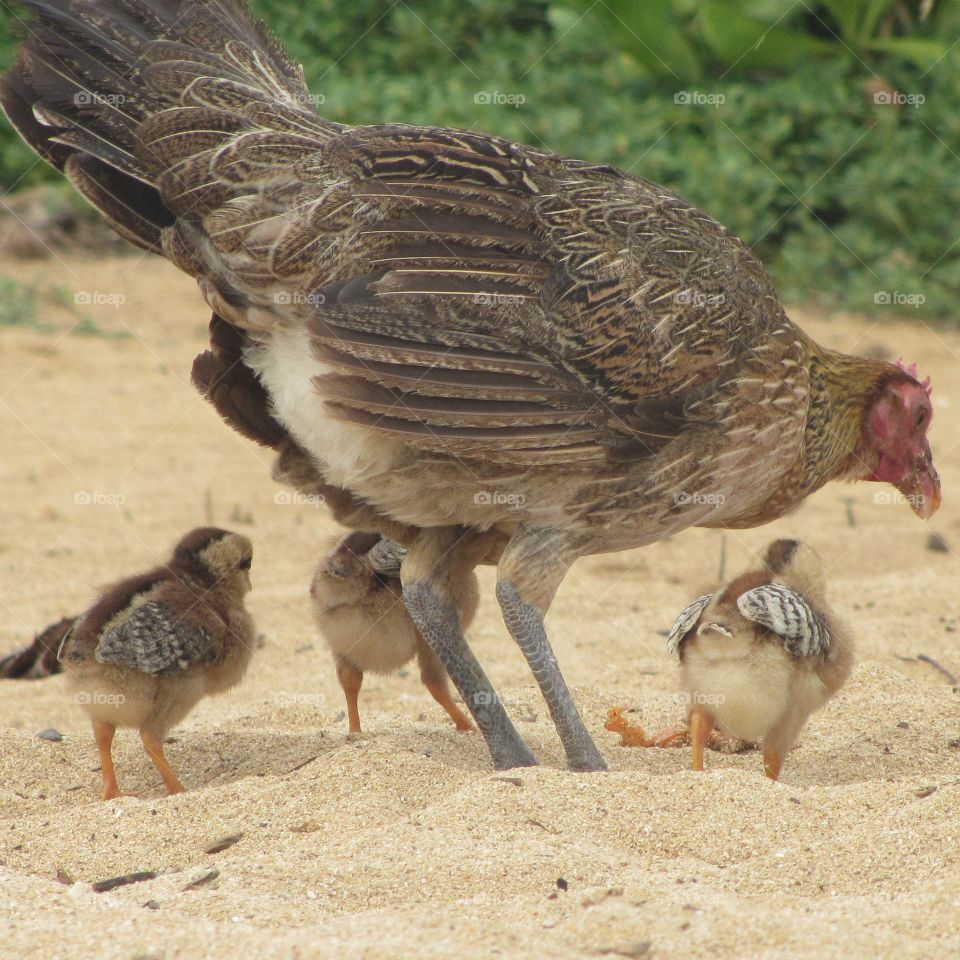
<point>685,623</point>
<point>150,640</point>
<point>789,615</point>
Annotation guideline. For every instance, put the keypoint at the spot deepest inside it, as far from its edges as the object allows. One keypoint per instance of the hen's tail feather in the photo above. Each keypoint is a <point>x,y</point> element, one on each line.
<point>97,84</point>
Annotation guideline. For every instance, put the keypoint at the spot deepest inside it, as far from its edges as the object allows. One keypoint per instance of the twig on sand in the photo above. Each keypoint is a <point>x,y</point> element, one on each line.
<point>938,666</point>
<point>102,886</point>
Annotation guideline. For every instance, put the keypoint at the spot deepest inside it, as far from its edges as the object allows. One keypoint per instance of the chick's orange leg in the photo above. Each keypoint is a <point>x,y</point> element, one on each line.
<point>434,678</point>
<point>700,722</point>
<point>772,762</point>
<point>154,747</point>
<point>103,732</point>
<point>351,679</point>
<point>441,693</point>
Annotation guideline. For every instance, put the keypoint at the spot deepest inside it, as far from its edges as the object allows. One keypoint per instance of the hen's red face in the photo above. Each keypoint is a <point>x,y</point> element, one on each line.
<point>897,426</point>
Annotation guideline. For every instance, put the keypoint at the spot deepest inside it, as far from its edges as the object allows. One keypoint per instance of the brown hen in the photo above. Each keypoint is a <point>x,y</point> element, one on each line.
<point>510,352</point>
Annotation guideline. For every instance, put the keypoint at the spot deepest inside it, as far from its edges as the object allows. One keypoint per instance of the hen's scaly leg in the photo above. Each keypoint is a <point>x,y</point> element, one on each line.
<point>528,575</point>
<point>351,679</point>
<point>103,732</point>
<point>154,747</point>
<point>700,722</point>
<point>440,557</point>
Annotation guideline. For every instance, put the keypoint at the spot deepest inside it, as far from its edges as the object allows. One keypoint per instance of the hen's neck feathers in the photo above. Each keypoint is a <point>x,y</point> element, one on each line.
<point>842,387</point>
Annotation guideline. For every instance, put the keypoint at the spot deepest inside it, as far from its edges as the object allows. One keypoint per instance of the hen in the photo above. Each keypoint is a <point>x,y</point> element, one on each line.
<point>513,354</point>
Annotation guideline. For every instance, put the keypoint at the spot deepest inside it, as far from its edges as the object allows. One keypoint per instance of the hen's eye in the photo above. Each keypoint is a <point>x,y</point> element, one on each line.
<point>921,418</point>
<point>245,563</point>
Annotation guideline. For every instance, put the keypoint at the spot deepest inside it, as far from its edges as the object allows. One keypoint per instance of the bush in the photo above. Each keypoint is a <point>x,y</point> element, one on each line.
<point>844,196</point>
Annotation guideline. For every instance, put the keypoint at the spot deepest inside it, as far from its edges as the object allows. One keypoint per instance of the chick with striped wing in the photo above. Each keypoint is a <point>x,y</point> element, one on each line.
<point>763,654</point>
<point>155,644</point>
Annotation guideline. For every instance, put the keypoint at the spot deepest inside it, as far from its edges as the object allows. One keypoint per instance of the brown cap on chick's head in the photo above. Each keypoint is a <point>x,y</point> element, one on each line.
<point>218,558</point>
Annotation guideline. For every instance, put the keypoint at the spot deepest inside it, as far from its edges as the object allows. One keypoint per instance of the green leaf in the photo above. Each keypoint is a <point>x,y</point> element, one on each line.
<point>746,42</point>
<point>650,34</point>
<point>924,53</point>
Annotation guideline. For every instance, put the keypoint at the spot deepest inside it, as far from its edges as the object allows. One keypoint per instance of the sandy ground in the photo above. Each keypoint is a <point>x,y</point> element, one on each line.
<point>402,841</point>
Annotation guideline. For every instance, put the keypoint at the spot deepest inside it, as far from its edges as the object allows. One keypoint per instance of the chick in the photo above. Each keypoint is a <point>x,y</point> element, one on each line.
<point>359,610</point>
<point>154,644</point>
<point>760,656</point>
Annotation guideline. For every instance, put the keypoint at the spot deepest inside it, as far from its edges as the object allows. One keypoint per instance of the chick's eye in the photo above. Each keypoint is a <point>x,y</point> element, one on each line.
<point>245,563</point>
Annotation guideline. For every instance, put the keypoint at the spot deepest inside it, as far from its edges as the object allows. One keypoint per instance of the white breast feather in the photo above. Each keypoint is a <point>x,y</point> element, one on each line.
<point>286,367</point>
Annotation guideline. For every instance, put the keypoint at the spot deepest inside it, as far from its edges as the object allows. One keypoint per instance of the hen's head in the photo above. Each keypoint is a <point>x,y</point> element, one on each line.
<point>895,432</point>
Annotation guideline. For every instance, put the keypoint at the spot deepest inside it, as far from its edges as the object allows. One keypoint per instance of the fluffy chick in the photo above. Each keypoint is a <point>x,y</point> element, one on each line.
<point>763,654</point>
<point>359,610</point>
<point>154,644</point>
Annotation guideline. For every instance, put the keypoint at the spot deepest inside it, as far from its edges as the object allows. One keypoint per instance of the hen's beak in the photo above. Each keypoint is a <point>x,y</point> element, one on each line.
<point>922,487</point>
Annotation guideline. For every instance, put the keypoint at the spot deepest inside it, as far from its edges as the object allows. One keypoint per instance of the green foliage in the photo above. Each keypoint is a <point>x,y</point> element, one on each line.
<point>18,305</point>
<point>775,125</point>
<point>19,302</point>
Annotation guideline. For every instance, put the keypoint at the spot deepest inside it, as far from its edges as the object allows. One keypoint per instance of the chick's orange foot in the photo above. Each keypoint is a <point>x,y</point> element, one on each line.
<point>635,736</point>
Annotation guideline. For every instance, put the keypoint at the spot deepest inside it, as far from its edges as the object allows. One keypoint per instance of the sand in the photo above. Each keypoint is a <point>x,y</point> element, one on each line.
<point>402,841</point>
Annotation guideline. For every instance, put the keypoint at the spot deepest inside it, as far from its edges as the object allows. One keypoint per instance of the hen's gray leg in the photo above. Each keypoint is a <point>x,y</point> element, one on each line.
<point>433,569</point>
<point>528,575</point>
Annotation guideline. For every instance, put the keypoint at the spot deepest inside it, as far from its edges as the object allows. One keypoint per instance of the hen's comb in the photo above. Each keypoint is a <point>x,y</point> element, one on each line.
<point>911,371</point>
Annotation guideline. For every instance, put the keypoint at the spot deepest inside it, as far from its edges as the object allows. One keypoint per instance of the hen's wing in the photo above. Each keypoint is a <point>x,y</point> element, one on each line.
<point>789,615</point>
<point>498,303</point>
<point>470,295</point>
<point>153,641</point>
